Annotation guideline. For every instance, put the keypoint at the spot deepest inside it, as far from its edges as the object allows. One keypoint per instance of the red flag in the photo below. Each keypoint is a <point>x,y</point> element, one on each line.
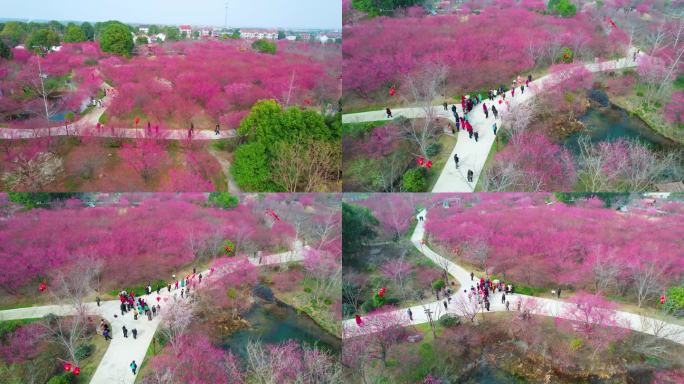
<point>77,370</point>
<point>421,161</point>
<point>429,164</point>
<point>67,367</point>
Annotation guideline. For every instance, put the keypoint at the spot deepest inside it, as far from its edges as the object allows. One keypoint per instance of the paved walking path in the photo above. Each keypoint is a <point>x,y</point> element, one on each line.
<point>114,366</point>
<point>473,155</point>
<point>543,306</point>
<point>87,126</point>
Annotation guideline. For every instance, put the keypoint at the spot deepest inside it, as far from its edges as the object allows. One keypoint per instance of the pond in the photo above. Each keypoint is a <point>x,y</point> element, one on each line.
<point>59,116</point>
<point>610,123</point>
<point>274,322</point>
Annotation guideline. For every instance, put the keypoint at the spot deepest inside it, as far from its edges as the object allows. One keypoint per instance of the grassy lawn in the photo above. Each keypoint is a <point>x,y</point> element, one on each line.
<point>155,348</point>
<point>497,147</point>
<point>446,144</point>
<point>89,365</point>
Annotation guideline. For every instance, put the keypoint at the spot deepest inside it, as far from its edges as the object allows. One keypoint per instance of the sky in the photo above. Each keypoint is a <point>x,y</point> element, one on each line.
<point>309,14</point>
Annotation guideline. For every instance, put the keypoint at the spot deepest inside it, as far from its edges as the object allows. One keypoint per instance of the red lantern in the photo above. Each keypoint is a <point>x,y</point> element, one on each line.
<point>392,91</point>
<point>137,120</point>
<point>662,299</point>
<point>421,161</point>
<point>381,292</point>
<point>158,298</point>
<point>429,164</point>
<point>67,367</point>
<point>42,287</point>
<point>77,370</point>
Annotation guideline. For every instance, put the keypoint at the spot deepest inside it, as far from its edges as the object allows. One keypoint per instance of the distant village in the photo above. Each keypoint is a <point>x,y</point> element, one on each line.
<point>191,32</point>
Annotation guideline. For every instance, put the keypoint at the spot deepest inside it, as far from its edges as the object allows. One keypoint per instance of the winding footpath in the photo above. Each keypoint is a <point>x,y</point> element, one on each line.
<point>113,368</point>
<point>473,155</point>
<point>86,127</point>
<point>542,306</point>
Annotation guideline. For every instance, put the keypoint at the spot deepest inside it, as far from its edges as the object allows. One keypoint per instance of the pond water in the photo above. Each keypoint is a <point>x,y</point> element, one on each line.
<point>59,116</point>
<point>274,322</point>
<point>610,123</point>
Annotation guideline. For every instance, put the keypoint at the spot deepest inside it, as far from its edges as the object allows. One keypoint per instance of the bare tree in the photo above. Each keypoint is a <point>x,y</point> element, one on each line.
<point>467,307</point>
<point>306,166</point>
<point>70,287</point>
<point>661,330</point>
<point>647,277</point>
<point>422,89</point>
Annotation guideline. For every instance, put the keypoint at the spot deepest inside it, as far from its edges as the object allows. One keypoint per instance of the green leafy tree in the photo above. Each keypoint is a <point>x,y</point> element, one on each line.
<point>74,34</point>
<point>264,46</point>
<point>154,29</point>
<point>32,200</point>
<point>140,40</point>
<point>674,301</point>
<point>383,7</point>
<point>172,33</point>
<point>268,123</point>
<point>281,35</point>
<point>195,34</point>
<point>116,38</point>
<point>223,200</point>
<point>42,40</point>
<point>56,26</point>
<point>358,226</point>
<point>562,8</point>
<point>5,50</point>
<point>414,180</point>
<point>89,31</point>
<point>250,168</point>
<point>14,33</point>
<point>235,35</point>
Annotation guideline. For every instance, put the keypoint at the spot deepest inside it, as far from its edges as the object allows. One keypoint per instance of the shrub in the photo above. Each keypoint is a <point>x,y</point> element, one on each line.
<point>432,149</point>
<point>414,180</point>
<point>562,8</point>
<point>83,351</point>
<point>567,55</point>
<point>250,167</point>
<point>223,200</point>
<point>674,301</point>
<point>63,378</point>
<point>438,284</point>
<point>449,320</point>
<point>264,46</point>
<point>576,344</point>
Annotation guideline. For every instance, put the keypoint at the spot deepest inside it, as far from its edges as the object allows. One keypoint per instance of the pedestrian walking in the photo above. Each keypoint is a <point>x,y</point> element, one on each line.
<point>470,133</point>
<point>476,136</point>
<point>472,275</point>
<point>134,331</point>
<point>158,288</point>
<point>358,320</point>
<point>456,159</point>
<point>149,289</point>
<point>123,308</point>
<point>486,111</point>
<point>518,305</point>
<point>97,300</point>
<point>106,335</point>
<point>470,175</point>
<point>529,77</point>
<point>487,305</point>
<point>133,366</point>
<point>495,112</point>
<point>389,112</point>
<point>125,331</point>
<point>445,304</point>
<point>522,89</point>
<point>513,92</point>
<point>200,277</point>
<point>508,304</point>
<point>192,127</point>
<point>410,314</point>
<point>176,284</point>
<point>217,131</point>
<point>558,292</point>
<point>494,128</point>
<point>503,298</point>
<point>446,106</point>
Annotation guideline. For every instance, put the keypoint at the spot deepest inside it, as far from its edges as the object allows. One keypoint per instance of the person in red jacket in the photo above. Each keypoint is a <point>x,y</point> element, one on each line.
<point>358,320</point>
<point>486,112</point>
